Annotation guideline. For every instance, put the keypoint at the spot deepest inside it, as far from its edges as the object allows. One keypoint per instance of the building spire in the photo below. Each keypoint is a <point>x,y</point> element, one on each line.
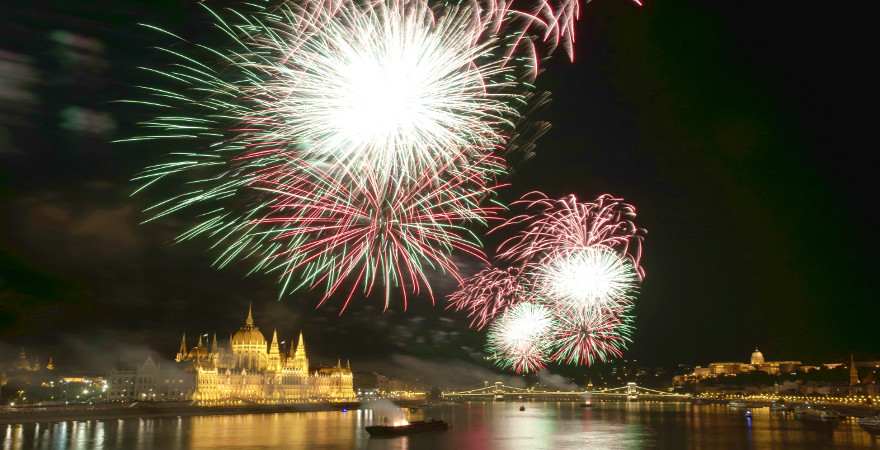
<point>299,361</point>
<point>853,372</point>
<point>214,344</point>
<point>273,347</point>
<point>250,318</point>
<point>300,346</point>
<point>181,353</point>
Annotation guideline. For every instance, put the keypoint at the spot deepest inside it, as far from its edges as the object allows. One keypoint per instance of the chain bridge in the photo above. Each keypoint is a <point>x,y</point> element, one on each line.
<point>500,391</point>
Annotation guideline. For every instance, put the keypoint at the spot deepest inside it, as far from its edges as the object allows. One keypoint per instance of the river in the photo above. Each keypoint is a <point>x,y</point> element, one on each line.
<point>473,426</point>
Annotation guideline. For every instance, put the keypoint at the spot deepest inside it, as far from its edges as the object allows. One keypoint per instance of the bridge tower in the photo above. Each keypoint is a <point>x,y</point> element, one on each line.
<point>632,391</point>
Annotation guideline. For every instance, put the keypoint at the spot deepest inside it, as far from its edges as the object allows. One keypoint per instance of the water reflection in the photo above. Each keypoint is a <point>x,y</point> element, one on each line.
<point>473,426</point>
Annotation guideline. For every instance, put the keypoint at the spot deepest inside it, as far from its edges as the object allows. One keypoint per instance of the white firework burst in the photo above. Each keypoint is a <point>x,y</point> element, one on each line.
<point>385,89</point>
<point>520,337</point>
<point>585,278</point>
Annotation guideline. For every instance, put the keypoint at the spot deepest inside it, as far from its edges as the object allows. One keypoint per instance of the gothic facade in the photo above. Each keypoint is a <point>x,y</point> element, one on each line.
<point>250,370</point>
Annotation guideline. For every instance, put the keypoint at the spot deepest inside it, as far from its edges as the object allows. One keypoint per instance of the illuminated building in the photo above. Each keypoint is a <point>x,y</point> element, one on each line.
<point>757,357</point>
<point>251,370</point>
<point>756,364</point>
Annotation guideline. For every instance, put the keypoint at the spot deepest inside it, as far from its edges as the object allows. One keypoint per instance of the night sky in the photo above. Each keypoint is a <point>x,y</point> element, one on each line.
<point>735,128</point>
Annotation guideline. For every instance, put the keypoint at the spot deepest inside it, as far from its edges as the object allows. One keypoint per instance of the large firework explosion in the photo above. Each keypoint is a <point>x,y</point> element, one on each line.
<point>386,90</point>
<point>349,143</point>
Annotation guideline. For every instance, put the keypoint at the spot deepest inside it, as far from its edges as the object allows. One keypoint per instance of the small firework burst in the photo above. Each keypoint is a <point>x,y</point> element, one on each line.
<point>551,226</point>
<point>488,293</point>
<point>519,339</point>
<point>587,337</point>
<point>586,278</point>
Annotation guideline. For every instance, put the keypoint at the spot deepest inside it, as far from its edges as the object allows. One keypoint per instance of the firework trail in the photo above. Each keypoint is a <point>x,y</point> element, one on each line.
<point>332,234</point>
<point>519,339</point>
<point>488,293</point>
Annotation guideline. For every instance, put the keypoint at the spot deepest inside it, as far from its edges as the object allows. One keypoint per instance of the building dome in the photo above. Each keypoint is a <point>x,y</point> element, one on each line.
<point>248,334</point>
<point>757,357</point>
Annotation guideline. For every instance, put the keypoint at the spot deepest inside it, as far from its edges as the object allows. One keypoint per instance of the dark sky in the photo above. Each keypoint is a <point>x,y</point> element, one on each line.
<point>735,127</point>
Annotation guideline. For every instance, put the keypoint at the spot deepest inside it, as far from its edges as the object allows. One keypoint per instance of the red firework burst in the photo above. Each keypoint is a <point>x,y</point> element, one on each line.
<point>488,293</point>
<point>554,225</point>
<point>336,233</point>
<point>585,337</point>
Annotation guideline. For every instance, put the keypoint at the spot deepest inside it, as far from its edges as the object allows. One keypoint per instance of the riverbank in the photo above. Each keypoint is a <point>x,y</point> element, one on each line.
<point>20,415</point>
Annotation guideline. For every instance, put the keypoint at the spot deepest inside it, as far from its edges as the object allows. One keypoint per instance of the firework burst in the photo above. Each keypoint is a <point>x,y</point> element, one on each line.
<point>332,234</point>
<point>349,144</point>
<point>488,293</point>
<point>576,262</point>
<point>587,278</point>
<point>585,337</point>
<point>388,89</point>
<point>519,339</point>
<point>564,225</point>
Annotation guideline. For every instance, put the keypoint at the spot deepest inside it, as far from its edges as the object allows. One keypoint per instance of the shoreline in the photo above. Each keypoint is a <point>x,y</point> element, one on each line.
<point>111,412</point>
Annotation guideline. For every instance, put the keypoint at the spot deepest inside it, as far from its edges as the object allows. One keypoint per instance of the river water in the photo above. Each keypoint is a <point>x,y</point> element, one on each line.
<point>473,426</point>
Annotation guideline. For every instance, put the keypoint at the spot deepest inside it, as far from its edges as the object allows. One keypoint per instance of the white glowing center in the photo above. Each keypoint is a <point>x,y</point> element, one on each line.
<point>593,276</point>
<point>391,90</point>
<point>379,102</point>
<point>525,326</point>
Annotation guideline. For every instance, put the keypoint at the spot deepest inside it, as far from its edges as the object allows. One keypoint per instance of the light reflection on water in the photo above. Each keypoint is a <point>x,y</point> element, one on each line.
<point>474,426</point>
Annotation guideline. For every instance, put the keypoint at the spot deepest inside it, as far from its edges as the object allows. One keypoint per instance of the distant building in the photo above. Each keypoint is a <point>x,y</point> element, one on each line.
<point>19,376</point>
<point>853,372</point>
<point>26,364</point>
<point>150,382</point>
<point>756,364</point>
<point>248,369</point>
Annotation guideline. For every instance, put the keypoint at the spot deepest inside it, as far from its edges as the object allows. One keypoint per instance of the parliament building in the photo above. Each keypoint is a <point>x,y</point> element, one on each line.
<point>250,370</point>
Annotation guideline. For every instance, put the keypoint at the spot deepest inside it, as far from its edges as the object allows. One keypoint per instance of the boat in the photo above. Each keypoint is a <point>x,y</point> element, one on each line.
<point>737,404</point>
<point>522,408</point>
<point>871,424</point>
<point>748,413</point>
<point>817,415</point>
<point>779,407</point>
<point>586,405</point>
<point>419,426</point>
<point>499,398</point>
